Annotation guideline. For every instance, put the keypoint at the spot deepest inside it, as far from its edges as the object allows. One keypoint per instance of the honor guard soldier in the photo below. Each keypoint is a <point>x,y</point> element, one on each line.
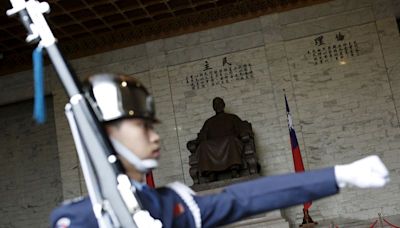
<point>128,115</point>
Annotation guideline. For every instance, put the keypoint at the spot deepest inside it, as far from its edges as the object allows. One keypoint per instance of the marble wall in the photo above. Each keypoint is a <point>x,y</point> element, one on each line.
<point>337,61</point>
<point>30,184</point>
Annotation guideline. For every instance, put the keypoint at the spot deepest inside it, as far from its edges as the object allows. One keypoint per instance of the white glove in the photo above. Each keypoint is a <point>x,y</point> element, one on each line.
<point>368,172</point>
<point>144,219</point>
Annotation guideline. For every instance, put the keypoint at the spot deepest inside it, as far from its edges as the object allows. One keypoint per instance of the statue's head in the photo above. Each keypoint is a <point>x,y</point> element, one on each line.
<point>218,105</point>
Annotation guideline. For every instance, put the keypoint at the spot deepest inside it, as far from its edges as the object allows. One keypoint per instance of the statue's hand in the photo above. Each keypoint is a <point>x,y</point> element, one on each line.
<point>369,172</point>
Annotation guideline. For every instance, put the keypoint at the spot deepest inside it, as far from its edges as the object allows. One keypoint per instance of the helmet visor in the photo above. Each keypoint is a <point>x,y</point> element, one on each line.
<point>122,97</point>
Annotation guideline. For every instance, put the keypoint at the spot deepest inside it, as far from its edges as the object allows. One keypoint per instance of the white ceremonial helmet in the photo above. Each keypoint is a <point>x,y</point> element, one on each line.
<point>115,97</point>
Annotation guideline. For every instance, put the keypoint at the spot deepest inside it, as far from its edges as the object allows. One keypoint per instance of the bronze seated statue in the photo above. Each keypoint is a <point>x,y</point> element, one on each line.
<point>224,144</point>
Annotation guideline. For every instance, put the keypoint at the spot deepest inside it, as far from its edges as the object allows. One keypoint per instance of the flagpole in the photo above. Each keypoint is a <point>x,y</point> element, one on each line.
<point>298,164</point>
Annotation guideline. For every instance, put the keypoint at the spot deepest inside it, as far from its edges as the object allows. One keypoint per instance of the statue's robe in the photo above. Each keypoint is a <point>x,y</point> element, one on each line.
<point>220,145</point>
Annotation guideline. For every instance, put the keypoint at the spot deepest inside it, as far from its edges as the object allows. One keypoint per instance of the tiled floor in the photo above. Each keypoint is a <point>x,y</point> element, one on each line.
<point>347,223</point>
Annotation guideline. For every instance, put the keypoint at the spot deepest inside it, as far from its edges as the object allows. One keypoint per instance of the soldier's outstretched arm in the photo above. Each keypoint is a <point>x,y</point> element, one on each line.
<point>269,193</point>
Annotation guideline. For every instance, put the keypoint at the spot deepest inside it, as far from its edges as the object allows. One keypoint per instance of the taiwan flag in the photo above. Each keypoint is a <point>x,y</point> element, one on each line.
<point>298,161</point>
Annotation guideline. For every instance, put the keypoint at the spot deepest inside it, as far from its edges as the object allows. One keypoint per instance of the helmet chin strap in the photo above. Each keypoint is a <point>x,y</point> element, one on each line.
<point>142,165</point>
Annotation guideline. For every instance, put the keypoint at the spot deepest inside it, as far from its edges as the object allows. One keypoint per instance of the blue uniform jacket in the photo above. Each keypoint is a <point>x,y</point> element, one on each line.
<point>232,204</point>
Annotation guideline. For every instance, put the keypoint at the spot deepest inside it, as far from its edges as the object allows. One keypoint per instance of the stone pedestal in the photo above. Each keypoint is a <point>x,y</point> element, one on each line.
<point>271,219</point>
<point>216,186</point>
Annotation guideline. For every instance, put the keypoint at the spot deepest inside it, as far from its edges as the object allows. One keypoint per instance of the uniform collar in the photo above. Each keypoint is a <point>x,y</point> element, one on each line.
<point>138,185</point>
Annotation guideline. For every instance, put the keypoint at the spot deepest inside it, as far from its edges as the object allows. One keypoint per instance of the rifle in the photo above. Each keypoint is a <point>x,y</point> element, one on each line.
<point>114,199</point>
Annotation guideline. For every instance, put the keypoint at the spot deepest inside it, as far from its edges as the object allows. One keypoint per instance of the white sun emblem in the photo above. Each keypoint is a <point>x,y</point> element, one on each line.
<point>63,222</point>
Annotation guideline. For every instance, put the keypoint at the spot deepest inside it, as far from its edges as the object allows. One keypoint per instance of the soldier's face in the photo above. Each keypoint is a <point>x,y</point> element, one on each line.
<point>138,135</point>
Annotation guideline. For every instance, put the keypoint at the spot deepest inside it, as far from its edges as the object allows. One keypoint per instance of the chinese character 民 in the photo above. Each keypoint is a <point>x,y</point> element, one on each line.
<point>225,61</point>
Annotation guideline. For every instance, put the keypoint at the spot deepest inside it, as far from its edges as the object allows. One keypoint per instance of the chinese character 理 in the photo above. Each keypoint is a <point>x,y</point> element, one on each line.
<point>319,40</point>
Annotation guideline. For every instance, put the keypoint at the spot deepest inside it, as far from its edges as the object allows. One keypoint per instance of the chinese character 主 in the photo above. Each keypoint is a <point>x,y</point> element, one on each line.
<point>207,66</point>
